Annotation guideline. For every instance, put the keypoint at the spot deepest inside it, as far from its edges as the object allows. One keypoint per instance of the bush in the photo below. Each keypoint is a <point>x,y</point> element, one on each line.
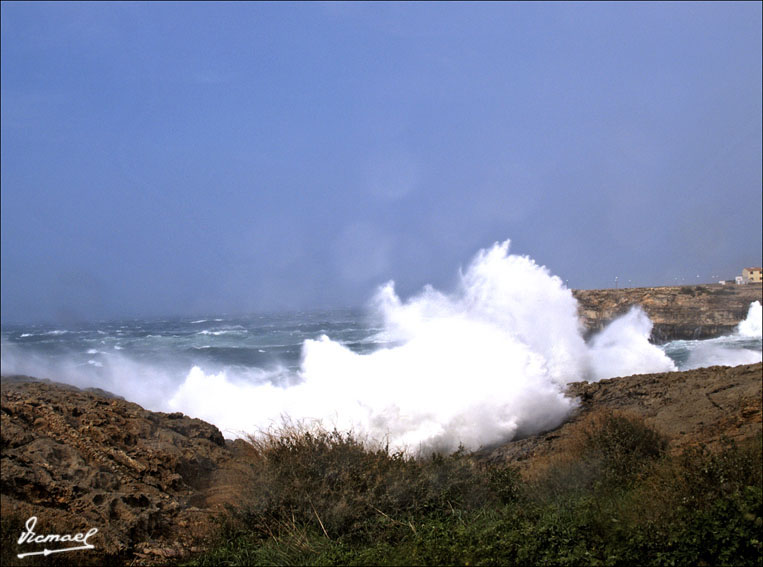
<point>505,483</point>
<point>337,483</point>
<point>325,498</point>
<point>706,476</point>
<point>624,445</point>
<point>701,507</point>
<point>605,450</point>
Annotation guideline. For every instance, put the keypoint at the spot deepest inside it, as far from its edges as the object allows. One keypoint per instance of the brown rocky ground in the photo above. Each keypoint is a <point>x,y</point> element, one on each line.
<point>680,312</point>
<point>153,482</point>
<point>690,408</point>
<point>77,459</point>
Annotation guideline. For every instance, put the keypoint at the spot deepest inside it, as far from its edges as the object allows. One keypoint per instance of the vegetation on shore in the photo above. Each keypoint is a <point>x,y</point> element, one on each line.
<point>614,497</point>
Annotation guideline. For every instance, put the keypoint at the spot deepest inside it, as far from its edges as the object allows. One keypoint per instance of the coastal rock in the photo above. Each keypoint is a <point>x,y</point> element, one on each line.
<point>80,459</point>
<point>680,312</point>
<point>693,407</point>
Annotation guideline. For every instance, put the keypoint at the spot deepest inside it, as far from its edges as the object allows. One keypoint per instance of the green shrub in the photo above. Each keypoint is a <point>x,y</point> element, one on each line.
<point>325,498</point>
<point>345,487</point>
<point>701,507</point>
<point>707,475</point>
<point>505,483</point>
<point>624,445</point>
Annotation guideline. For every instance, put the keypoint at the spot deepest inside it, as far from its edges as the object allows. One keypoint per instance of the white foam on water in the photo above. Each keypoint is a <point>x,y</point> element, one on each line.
<point>474,367</point>
<point>730,350</point>
<point>752,326</point>
<point>477,366</point>
<point>712,353</point>
<point>623,346</point>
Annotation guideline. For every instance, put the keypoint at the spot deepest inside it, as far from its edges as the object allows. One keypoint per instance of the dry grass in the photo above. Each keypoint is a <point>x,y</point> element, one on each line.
<point>605,446</point>
<point>336,481</point>
<point>615,497</point>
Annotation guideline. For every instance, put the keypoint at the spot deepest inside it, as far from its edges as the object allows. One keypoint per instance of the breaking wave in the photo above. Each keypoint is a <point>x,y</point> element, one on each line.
<point>477,366</point>
<point>474,367</point>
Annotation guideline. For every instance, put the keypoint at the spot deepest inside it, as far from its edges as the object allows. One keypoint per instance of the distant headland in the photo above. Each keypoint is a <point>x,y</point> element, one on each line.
<point>678,312</point>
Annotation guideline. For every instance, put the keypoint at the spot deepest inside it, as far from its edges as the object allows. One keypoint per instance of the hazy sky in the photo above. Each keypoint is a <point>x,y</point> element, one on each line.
<point>201,158</point>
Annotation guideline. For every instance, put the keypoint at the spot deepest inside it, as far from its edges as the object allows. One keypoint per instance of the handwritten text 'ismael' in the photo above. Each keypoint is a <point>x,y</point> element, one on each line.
<point>29,536</point>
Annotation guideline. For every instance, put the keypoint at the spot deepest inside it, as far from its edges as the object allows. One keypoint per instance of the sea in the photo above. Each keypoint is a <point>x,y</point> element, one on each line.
<point>475,366</point>
<point>216,342</point>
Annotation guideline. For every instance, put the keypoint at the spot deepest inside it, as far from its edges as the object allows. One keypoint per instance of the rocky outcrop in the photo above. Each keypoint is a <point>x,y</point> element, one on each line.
<point>84,459</point>
<point>682,312</point>
<point>692,407</point>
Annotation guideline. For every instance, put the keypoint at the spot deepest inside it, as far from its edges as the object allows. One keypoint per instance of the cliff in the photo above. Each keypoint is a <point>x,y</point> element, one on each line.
<point>682,312</point>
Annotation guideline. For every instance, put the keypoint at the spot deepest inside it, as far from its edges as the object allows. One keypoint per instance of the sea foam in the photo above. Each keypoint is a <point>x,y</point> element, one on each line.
<point>733,349</point>
<point>473,367</point>
<point>481,364</point>
<point>752,326</point>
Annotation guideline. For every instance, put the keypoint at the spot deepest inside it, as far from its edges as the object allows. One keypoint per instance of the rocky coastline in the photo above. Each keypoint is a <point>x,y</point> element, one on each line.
<point>153,483</point>
<point>677,312</point>
<point>76,459</point>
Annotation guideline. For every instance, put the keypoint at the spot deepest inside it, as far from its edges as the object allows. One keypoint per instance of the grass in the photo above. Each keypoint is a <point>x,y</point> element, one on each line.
<point>615,498</point>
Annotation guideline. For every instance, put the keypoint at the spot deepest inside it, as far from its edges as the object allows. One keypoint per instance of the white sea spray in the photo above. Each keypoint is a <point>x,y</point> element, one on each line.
<point>470,368</point>
<point>479,365</point>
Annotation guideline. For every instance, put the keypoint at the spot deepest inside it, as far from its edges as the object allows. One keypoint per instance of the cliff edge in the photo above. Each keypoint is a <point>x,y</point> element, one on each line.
<point>681,312</point>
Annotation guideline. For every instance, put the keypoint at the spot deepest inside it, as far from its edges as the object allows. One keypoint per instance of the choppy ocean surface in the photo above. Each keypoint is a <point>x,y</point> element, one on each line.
<point>214,343</point>
<point>474,367</point>
<point>263,342</point>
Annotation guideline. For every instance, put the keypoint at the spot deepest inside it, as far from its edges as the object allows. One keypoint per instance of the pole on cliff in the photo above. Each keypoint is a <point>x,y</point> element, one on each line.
<point>615,283</point>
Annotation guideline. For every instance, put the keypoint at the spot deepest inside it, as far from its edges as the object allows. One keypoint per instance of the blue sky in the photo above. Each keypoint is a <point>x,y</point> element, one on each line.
<point>236,157</point>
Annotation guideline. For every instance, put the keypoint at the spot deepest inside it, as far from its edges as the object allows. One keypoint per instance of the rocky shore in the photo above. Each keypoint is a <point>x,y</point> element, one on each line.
<point>693,407</point>
<point>77,459</point>
<point>152,483</point>
<point>680,312</point>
